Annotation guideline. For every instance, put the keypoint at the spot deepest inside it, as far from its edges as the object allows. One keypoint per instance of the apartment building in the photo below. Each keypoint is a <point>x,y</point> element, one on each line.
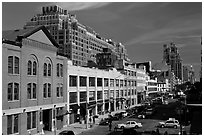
<point>78,42</point>
<point>34,85</point>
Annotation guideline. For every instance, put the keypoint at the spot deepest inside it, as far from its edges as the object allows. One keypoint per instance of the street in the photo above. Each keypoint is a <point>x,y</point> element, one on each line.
<point>149,124</point>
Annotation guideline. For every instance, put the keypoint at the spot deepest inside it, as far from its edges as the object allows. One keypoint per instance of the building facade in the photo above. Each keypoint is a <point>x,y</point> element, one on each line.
<point>152,88</point>
<point>34,88</point>
<point>78,42</point>
<point>93,91</point>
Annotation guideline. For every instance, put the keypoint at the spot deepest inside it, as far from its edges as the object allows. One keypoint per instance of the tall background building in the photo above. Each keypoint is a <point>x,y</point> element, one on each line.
<point>173,59</point>
<point>188,74</point>
<point>78,42</point>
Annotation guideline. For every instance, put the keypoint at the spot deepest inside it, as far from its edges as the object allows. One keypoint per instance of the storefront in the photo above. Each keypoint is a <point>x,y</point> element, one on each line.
<point>74,117</point>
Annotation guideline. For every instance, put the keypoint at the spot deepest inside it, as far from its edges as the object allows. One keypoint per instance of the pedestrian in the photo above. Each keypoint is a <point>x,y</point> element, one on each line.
<point>93,119</point>
<point>110,126</point>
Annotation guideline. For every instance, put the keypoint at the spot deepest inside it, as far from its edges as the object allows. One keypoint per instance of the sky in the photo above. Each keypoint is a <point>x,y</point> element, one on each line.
<point>143,27</point>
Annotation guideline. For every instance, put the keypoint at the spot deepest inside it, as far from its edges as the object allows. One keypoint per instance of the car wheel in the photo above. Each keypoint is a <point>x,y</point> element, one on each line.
<point>122,127</point>
<point>136,126</point>
<point>162,126</point>
<point>175,126</point>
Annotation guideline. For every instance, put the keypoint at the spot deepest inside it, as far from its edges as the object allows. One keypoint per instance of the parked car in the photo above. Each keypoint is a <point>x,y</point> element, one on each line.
<point>67,132</point>
<point>129,124</point>
<point>104,121</point>
<point>172,122</point>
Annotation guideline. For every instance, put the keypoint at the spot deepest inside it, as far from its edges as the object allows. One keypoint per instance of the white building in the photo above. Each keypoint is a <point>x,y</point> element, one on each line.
<point>107,90</point>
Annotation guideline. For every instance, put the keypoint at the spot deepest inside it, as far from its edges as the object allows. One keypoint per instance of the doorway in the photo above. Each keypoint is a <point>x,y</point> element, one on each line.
<point>47,119</point>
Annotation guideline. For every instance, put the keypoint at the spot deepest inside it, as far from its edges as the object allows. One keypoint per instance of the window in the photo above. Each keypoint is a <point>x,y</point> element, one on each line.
<point>49,90</point>
<point>16,123</point>
<point>91,81</point>
<point>99,81</point>
<point>29,67</point>
<point>9,124</point>
<point>59,70</point>
<point>99,95</point>
<point>49,69</point>
<point>82,81</point>
<point>16,65</point>
<point>31,120</point>
<point>34,68</point>
<point>111,82</point>
<point>12,124</point>
<point>72,81</point>
<point>34,120</point>
<point>106,95</point>
<point>82,96</point>
<point>121,83</point>
<point>13,65</point>
<point>13,91</point>
<point>72,97</point>
<point>10,64</point>
<point>46,90</point>
<point>117,82</point>
<point>45,69</point>
<point>60,90</point>
<point>10,91</point>
<point>34,90</point>
<point>16,91</point>
<point>105,82</point>
<point>112,93</point>
<point>29,91</point>
<point>91,95</point>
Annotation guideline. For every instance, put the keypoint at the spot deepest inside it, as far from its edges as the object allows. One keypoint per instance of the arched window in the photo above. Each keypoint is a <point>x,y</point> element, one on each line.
<point>29,67</point>
<point>34,68</point>
<point>49,69</point>
<point>45,69</point>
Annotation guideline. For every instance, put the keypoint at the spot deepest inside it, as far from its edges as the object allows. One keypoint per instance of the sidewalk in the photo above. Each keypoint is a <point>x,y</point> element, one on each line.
<point>79,128</point>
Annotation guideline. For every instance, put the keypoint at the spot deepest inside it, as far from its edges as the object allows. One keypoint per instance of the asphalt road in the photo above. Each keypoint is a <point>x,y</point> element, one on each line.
<point>163,113</point>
